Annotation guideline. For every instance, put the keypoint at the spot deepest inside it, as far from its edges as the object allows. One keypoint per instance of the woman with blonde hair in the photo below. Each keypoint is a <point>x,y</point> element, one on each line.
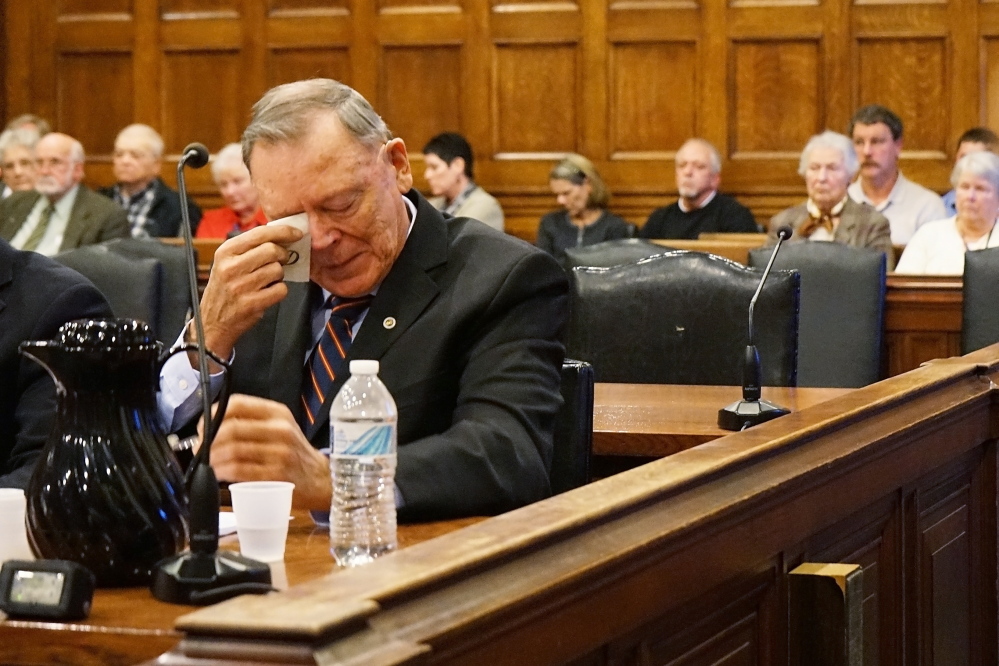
<point>584,219</point>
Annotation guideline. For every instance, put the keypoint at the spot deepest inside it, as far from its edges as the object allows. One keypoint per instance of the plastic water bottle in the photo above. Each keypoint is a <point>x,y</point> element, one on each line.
<point>362,464</point>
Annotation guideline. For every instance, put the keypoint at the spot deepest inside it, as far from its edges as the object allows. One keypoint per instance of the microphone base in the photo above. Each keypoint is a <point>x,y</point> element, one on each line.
<point>200,579</point>
<point>748,413</point>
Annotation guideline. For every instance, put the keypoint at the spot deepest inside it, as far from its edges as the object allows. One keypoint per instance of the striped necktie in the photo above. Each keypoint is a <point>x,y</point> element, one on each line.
<point>329,357</point>
<point>38,233</point>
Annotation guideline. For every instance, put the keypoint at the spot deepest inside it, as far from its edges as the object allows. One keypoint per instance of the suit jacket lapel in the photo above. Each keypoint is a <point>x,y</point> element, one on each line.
<point>78,222</point>
<point>6,270</point>
<point>291,341</point>
<point>848,220</point>
<point>403,296</point>
<point>17,215</point>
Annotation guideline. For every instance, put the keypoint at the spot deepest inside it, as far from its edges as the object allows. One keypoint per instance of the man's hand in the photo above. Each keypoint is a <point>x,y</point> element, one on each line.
<point>245,281</point>
<point>260,441</point>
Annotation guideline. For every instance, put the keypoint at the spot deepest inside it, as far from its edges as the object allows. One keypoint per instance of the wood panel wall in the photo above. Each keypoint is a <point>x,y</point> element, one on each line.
<point>621,81</point>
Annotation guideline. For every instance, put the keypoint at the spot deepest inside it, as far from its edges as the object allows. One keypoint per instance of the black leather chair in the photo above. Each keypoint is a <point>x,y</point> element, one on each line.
<point>980,325</point>
<point>573,441</point>
<point>681,318</point>
<point>612,253</point>
<point>840,328</point>
<point>175,290</point>
<point>132,286</point>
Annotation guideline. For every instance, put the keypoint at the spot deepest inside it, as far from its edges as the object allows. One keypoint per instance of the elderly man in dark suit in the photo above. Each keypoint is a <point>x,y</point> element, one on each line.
<point>37,296</point>
<point>828,164</point>
<point>467,324</point>
<point>61,214</point>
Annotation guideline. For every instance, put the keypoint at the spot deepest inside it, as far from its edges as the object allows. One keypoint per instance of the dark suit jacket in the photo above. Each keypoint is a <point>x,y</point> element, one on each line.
<point>165,212</point>
<point>94,218</point>
<point>859,226</point>
<point>37,296</point>
<point>473,362</point>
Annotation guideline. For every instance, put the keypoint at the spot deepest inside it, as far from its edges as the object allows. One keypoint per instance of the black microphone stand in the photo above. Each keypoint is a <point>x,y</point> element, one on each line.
<point>752,410</point>
<point>204,574</point>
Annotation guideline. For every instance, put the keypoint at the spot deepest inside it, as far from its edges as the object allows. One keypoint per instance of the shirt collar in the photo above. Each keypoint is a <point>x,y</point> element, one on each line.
<point>706,202</point>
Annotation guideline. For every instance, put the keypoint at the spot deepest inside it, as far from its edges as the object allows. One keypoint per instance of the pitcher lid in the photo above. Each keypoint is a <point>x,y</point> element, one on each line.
<point>102,333</point>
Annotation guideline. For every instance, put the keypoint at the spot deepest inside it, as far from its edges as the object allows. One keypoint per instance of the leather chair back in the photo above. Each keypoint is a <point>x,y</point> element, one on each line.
<point>681,318</point>
<point>980,327</point>
<point>131,286</point>
<point>840,328</point>
<point>175,290</point>
<point>573,440</point>
<point>612,253</point>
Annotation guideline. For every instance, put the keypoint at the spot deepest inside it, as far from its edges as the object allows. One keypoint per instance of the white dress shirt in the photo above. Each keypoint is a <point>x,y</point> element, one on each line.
<point>908,207</point>
<point>938,249</point>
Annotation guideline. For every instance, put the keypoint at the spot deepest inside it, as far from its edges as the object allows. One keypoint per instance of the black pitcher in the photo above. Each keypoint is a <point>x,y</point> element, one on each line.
<point>107,492</point>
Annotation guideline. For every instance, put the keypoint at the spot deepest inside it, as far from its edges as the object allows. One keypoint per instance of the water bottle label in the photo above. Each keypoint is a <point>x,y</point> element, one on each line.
<point>363,439</point>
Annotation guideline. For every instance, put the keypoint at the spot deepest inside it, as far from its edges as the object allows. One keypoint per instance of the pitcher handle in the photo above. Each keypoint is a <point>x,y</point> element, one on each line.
<point>223,399</point>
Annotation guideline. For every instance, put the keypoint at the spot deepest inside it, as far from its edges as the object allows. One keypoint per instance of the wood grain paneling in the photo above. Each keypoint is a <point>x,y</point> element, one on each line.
<point>652,81</point>
<point>287,65</point>
<point>776,97</point>
<point>910,77</point>
<point>187,99</point>
<point>92,7</point>
<point>536,100</point>
<point>622,81</point>
<point>308,7</point>
<point>408,72</point>
<point>199,8</point>
<point>90,82</point>
<point>990,76</point>
<point>945,570</point>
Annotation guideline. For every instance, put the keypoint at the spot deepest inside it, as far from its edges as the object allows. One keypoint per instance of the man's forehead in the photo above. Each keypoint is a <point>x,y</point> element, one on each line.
<point>872,129</point>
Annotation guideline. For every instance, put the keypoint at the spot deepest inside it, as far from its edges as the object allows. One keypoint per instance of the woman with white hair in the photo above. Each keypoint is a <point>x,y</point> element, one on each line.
<point>938,248</point>
<point>828,164</point>
<point>242,207</point>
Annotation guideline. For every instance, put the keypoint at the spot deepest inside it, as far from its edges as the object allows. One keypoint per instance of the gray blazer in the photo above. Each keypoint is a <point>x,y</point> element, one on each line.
<point>94,218</point>
<point>859,226</point>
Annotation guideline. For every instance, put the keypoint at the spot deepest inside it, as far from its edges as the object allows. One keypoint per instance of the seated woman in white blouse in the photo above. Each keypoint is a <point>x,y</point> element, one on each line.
<point>938,248</point>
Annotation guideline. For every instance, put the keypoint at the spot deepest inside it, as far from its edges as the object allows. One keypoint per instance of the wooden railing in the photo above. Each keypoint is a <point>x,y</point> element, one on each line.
<point>686,560</point>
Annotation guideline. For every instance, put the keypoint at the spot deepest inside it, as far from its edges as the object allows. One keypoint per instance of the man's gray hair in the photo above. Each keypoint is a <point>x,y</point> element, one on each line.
<point>230,155</point>
<point>21,137</point>
<point>147,135</point>
<point>982,164</point>
<point>836,141</point>
<point>285,114</point>
<point>714,157</point>
<point>76,153</point>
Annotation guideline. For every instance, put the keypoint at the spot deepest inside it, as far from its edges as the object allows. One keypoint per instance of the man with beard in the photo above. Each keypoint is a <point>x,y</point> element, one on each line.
<point>61,214</point>
<point>877,138</point>
<point>701,208</point>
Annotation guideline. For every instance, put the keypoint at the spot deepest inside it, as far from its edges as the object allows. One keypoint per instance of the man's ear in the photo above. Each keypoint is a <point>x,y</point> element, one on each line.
<point>395,152</point>
<point>458,165</point>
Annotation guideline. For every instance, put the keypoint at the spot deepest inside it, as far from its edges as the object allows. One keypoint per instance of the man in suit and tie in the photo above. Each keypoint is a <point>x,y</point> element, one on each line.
<point>467,324</point>
<point>61,214</point>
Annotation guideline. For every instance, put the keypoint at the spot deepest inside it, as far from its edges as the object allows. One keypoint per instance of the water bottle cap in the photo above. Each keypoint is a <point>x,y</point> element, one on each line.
<point>364,367</point>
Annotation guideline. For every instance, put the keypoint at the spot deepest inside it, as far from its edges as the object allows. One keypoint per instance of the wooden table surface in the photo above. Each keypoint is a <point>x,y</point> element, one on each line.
<point>127,626</point>
<point>657,420</point>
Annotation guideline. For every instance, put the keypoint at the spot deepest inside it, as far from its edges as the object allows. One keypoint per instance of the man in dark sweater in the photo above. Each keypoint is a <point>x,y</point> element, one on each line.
<point>701,208</point>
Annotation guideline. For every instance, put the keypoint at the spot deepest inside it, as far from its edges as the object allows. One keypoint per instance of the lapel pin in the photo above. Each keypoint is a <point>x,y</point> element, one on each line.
<point>389,322</point>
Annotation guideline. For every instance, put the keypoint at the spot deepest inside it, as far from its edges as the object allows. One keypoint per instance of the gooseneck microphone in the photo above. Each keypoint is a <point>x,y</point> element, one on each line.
<point>204,575</point>
<point>752,410</point>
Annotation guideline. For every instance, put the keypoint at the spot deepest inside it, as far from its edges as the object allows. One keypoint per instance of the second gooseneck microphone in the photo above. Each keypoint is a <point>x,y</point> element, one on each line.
<point>752,410</point>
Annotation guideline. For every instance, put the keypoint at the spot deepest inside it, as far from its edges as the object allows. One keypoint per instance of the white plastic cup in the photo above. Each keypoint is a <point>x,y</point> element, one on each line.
<point>297,268</point>
<point>262,509</point>
<point>13,534</point>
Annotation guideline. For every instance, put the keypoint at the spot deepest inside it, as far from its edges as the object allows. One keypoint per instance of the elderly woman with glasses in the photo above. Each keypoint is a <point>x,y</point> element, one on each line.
<point>937,248</point>
<point>583,220</point>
